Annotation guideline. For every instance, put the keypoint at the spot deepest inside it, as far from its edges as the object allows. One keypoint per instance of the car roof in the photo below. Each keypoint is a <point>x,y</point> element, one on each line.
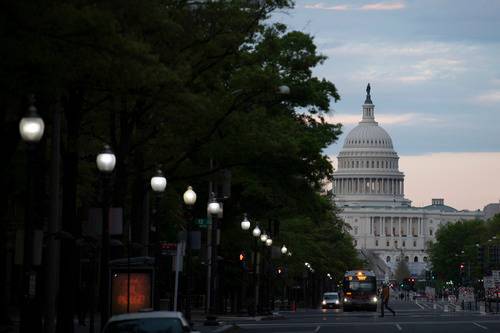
<point>149,314</point>
<point>331,293</point>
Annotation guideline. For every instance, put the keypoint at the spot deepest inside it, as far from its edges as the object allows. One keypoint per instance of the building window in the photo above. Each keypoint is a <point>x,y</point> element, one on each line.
<point>414,243</point>
<point>430,232</point>
<point>355,230</point>
<point>387,243</point>
<point>425,259</point>
<point>395,243</point>
<point>376,242</point>
<point>404,244</point>
<point>355,242</point>
<point>415,259</point>
<point>373,164</point>
<point>407,259</point>
<point>388,259</point>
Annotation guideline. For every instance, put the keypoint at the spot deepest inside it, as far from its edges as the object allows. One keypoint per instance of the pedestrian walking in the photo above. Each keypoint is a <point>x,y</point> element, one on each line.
<point>385,300</point>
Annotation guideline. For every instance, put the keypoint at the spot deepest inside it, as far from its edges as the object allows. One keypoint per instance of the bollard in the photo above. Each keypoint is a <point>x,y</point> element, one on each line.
<point>434,306</point>
<point>482,309</point>
<point>445,308</point>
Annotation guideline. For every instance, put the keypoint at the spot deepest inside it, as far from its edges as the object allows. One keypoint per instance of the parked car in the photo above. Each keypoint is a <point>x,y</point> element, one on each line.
<point>148,322</point>
<point>331,300</point>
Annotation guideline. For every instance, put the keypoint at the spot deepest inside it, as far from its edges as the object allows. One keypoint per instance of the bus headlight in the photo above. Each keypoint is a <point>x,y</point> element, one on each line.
<point>337,302</point>
<point>324,302</point>
<point>374,299</point>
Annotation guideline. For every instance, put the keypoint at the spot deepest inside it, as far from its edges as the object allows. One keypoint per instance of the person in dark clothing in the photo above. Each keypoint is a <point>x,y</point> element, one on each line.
<point>385,301</point>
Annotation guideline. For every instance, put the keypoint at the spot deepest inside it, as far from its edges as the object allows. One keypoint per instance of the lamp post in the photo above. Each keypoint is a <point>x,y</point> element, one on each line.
<point>213,209</point>
<point>189,198</point>
<point>31,129</point>
<point>245,225</point>
<point>158,185</point>
<point>256,233</point>
<point>267,263</point>
<point>106,162</point>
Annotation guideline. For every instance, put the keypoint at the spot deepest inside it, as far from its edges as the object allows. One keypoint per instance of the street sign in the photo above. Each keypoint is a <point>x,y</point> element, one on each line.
<point>168,249</point>
<point>203,223</point>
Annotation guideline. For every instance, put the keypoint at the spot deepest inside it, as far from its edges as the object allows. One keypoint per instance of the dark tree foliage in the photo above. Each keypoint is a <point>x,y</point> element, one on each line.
<point>178,84</point>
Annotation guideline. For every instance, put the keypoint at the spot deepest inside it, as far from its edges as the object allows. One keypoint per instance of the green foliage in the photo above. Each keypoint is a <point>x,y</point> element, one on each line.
<point>180,83</point>
<point>456,244</point>
<point>402,270</point>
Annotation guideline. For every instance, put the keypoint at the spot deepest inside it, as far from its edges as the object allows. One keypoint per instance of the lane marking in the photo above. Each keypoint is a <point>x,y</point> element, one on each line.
<point>399,327</point>
<point>420,322</point>
<point>317,329</point>
<point>481,326</point>
<point>420,306</point>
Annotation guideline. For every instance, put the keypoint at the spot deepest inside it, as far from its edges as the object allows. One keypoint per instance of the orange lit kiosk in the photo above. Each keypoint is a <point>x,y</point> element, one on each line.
<point>359,291</point>
<point>131,282</point>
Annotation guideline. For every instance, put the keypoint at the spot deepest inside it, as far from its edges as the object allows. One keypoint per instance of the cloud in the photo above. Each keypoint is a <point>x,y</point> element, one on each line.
<point>491,97</point>
<point>384,118</point>
<point>367,7</point>
<point>383,6</point>
<point>441,175</point>
<point>326,7</point>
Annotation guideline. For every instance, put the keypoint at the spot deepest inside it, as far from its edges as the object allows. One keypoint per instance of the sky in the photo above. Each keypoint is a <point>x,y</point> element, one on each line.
<point>434,69</point>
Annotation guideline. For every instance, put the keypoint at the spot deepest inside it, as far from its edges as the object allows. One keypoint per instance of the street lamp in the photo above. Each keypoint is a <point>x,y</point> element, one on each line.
<point>213,209</point>
<point>269,242</point>
<point>263,237</point>
<point>189,201</point>
<point>256,231</point>
<point>158,185</point>
<point>106,162</point>
<point>284,250</point>
<point>31,128</point>
<point>245,224</point>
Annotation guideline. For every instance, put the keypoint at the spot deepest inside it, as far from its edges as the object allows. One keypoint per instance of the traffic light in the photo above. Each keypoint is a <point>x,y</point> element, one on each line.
<point>242,261</point>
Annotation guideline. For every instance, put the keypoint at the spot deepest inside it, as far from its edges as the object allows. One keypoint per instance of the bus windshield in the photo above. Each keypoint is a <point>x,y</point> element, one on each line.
<point>361,286</point>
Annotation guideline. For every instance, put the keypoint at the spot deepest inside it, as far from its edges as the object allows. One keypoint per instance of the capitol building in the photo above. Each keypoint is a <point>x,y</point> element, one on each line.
<point>369,189</point>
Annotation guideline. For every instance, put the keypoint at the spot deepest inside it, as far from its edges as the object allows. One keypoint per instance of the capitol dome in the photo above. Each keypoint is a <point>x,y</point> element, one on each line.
<point>368,166</point>
<point>368,135</point>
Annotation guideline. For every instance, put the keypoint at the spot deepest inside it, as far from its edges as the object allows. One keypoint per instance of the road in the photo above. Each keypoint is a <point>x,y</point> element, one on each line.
<point>410,317</point>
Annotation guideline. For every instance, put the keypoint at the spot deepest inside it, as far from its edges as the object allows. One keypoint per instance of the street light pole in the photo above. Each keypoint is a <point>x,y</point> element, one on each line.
<point>106,162</point>
<point>189,201</point>
<point>213,210</point>
<point>31,128</point>
<point>256,232</point>
<point>158,185</point>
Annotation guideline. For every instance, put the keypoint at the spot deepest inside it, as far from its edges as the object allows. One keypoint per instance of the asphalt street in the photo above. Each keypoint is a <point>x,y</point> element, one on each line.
<point>410,317</point>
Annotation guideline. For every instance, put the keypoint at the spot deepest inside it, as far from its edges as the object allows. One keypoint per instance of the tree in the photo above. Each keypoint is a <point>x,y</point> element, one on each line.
<point>455,245</point>
<point>402,270</point>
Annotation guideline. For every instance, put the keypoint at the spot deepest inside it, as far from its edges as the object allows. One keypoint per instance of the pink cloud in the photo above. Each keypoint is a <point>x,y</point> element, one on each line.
<point>383,6</point>
<point>464,180</point>
<point>371,6</point>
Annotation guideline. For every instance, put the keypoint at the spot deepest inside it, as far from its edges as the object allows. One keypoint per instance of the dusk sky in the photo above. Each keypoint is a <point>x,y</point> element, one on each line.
<point>434,68</point>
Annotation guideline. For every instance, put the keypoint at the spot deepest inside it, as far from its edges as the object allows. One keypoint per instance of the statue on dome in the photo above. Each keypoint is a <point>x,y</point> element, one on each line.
<point>368,89</point>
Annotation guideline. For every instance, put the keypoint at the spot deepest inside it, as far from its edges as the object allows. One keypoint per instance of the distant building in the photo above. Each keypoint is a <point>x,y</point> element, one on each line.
<point>491,210</point>
<point>369,189</point>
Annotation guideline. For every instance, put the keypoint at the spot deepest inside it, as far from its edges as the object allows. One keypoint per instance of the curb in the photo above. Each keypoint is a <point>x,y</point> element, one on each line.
<point>227,329</point>
<point>273,317</point>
